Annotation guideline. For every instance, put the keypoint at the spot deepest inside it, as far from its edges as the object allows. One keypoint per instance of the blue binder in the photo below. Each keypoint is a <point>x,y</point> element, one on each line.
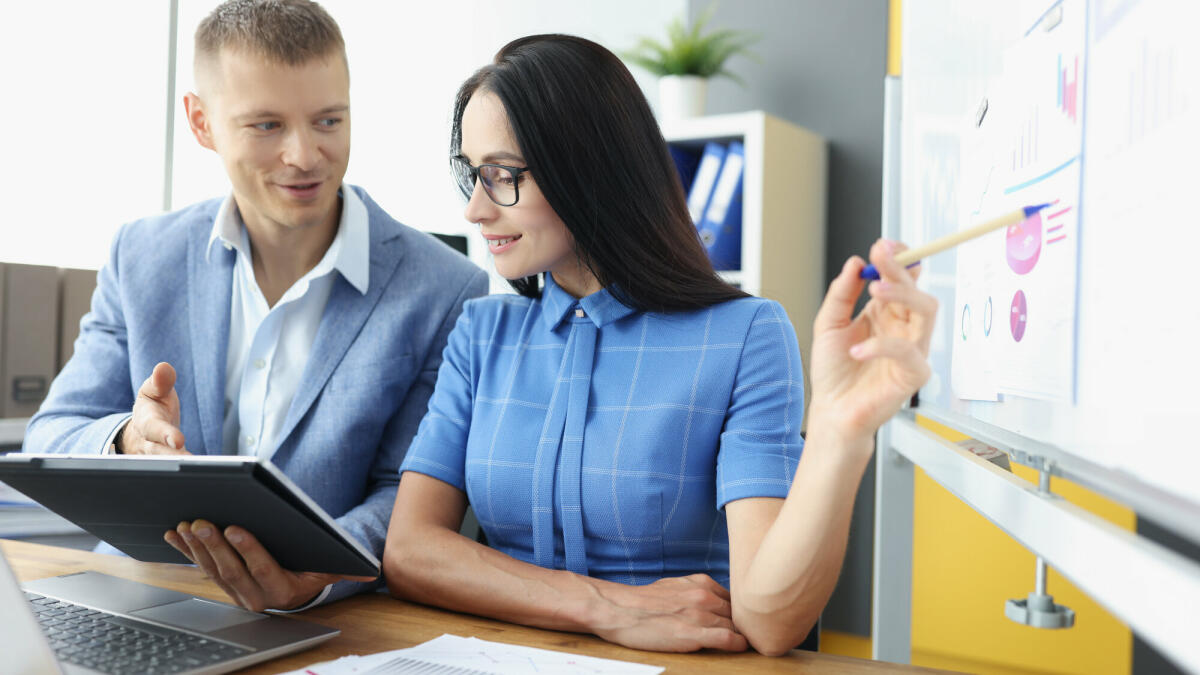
<point>706,177</point>
<point>686,163</point>
<point>721,227</point>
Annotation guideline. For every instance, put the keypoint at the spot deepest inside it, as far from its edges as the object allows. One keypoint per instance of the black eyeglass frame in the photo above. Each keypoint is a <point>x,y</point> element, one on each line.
<point>460,163</point>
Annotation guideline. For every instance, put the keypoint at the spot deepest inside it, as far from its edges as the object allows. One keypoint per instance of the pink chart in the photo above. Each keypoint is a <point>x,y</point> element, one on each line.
<point>1068,90</point>
<point>1023,244</point>
<point>1018,316</point>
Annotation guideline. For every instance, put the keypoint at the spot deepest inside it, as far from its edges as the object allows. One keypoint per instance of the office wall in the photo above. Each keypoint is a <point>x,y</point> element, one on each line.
<point>822,67</point>
<point>86,113</point>
<point>84,122</point>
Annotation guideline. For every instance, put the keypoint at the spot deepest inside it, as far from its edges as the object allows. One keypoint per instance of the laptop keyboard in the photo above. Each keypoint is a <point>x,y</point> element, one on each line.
<point>113,644</point>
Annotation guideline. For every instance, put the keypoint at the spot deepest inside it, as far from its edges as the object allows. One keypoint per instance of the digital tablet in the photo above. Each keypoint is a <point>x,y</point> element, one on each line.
<point>131,501</point>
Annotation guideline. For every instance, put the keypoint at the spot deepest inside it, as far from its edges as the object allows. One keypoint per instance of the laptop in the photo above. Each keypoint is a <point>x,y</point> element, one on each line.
<point>89,622</point>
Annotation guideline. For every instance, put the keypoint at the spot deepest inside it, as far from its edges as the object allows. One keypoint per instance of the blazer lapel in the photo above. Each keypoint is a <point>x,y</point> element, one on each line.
<point>209,297</point>
<point>345,313</point>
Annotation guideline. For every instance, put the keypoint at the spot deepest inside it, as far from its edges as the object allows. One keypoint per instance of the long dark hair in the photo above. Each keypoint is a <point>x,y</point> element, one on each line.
<point>598,156</point>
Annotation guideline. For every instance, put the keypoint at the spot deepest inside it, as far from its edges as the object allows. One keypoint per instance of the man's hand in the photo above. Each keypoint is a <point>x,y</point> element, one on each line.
<point>240,565</point>
<point>676,614</point>
<point>154,427</point>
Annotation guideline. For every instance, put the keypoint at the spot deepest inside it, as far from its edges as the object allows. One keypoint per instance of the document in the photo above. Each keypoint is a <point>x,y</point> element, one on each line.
<point>454,655</point>
<point>1014,315</point>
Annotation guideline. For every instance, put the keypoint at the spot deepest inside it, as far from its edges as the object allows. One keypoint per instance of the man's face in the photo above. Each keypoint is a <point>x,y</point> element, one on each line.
<point>283,133</point>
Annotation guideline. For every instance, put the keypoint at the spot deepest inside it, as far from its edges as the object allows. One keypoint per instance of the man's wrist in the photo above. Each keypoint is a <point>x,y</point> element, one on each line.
<point>111,444</point>
<point>309,604</point>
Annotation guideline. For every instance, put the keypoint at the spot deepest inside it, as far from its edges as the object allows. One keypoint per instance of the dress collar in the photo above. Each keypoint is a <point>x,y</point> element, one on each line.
<point>601,307</point>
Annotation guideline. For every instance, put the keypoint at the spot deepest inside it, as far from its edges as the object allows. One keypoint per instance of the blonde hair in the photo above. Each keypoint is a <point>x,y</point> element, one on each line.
<point>289,32</point>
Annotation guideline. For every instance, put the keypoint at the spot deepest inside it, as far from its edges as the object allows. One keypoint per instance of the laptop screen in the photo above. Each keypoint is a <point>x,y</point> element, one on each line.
<point>22,642</point>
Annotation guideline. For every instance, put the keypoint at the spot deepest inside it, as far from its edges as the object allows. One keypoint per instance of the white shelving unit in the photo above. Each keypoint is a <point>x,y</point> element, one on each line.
<point>783,209</point>
<point>12,430</point>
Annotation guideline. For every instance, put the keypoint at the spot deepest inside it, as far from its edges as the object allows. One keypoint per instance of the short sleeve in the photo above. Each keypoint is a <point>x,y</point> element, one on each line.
<point>760,441</point>
<point>440,447</point>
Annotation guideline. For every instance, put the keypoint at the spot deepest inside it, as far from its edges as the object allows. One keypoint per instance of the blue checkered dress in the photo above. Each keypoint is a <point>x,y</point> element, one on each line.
<point>595,438</point>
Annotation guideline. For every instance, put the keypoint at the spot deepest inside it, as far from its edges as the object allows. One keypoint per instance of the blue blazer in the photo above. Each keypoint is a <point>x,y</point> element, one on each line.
<point>367,384</point>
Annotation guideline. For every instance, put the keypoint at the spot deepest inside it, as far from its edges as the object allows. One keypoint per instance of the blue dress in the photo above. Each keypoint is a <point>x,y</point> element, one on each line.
<point>592,437</point>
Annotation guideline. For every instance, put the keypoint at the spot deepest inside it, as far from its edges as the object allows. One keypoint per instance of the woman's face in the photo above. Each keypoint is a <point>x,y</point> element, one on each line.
<point>528,237</point>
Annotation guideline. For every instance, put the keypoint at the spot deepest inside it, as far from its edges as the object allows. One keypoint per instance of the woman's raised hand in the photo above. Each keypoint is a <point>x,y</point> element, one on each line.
<point>865,367</point>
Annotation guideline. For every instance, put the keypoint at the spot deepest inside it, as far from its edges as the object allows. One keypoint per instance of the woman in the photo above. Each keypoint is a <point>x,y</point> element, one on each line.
<point>628,430</point>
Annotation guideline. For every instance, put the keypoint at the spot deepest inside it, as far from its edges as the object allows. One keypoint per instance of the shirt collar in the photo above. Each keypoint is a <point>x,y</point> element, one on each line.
<point>351,245</point>
<point>601,307</point>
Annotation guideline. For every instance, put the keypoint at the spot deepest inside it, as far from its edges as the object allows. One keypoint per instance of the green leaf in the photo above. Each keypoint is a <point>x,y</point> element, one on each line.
<point>690,51</point>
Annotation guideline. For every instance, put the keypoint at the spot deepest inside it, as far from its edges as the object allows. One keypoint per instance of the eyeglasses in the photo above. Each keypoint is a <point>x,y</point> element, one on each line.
<point>500,182</point>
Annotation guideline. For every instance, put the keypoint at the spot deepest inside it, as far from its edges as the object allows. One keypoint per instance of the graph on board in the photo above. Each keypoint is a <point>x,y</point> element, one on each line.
<point>1142,133</point>
<point>1068,88</point>
<point>1032,148</point>
<point>1156,97</point>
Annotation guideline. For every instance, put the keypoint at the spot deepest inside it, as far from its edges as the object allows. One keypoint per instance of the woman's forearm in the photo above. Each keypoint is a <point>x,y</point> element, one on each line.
<point>436,566</point>
<point>786,583</point>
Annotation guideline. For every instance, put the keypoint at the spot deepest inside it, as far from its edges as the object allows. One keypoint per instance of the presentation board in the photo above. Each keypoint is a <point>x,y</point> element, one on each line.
<point>1073,334</point>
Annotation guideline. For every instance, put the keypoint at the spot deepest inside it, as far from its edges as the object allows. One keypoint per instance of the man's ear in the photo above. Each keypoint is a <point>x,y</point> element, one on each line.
<point>198,120</point>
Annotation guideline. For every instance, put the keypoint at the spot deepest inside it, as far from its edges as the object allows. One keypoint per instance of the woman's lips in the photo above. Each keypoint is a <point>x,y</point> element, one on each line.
<point>502,244</point>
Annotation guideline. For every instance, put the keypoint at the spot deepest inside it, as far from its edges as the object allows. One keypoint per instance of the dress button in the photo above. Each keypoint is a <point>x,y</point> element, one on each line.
<point>579,313</point>
<point>250,440</point>
<point>260,364</point>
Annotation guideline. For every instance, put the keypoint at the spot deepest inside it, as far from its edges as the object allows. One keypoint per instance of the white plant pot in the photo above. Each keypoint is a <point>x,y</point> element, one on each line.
<point>681,96</point>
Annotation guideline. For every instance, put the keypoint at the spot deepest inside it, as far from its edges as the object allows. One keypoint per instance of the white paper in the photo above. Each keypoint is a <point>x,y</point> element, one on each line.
<point>472,656</point>
<point>1015,297</point>
<point>1142,234</point>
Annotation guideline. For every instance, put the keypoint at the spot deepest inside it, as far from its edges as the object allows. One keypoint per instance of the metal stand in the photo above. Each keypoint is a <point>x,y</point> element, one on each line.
<point>1038,610</point>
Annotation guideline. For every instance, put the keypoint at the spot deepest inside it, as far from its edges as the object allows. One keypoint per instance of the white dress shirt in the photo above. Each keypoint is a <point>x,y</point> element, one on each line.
<point>269,346</point>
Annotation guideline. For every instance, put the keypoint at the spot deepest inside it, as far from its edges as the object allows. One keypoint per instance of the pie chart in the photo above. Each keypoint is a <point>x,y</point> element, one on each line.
<point>1017,319</point>
<point>1023,244</point>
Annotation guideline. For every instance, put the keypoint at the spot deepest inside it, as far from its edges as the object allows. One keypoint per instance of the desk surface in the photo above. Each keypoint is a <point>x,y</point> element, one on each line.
<point>377,622</point>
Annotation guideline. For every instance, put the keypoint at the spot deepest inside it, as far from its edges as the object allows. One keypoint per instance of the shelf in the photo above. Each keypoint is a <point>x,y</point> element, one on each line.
<point>783,208</point>
<point>733,277</point>
<point>12,430</point>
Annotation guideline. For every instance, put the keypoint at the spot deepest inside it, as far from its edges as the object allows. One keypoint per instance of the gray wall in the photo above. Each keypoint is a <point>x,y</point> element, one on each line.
<point>822,68</point>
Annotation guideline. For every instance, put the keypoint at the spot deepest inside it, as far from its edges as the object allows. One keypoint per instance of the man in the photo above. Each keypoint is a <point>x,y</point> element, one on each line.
<point>293,320</point>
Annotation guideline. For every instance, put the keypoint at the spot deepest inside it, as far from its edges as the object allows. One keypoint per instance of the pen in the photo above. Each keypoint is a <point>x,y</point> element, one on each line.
<point>913,256</point>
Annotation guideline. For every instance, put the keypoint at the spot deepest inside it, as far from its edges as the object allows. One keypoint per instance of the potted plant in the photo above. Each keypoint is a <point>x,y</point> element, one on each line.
<point>686,61</point>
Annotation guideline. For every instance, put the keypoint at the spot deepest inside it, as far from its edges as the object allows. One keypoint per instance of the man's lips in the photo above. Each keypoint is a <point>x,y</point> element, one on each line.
<point>302,190</point>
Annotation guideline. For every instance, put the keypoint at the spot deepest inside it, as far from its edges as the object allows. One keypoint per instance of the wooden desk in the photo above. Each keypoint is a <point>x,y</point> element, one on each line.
<point>377,622</point>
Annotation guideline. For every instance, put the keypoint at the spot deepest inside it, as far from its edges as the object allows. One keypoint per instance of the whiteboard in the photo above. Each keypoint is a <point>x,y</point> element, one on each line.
<point>1129,417</point>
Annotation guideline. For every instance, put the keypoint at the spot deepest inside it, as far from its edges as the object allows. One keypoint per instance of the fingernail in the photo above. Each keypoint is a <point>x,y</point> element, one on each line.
<point>890,245</point>
<point>171,442</point>
<point>204,532</point>
<point>187,535</point>
<point>234,537</point>
<point>884,285</point>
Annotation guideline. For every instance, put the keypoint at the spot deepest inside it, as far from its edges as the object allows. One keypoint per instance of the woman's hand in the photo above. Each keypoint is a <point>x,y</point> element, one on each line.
<point>676,614</point>
<point>865,367</point>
